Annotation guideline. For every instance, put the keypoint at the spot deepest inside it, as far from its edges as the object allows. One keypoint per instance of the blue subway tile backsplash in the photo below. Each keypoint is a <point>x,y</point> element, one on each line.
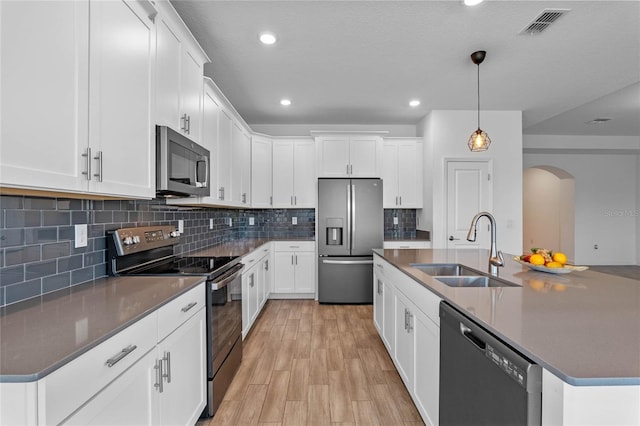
<point>37,253</point>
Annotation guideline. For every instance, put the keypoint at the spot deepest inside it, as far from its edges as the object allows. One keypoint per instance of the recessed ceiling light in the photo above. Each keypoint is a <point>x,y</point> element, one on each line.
<point>268,38</point>
<point>285,102</point>
<point>414,103</point>
<point>472,2</point>
<point>599,120</point>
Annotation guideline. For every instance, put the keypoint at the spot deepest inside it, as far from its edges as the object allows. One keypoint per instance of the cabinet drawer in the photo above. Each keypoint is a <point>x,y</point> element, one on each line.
<point>294,246</point>
<point>180,309</point>
<point>63,391</point>
<point>253,257</point>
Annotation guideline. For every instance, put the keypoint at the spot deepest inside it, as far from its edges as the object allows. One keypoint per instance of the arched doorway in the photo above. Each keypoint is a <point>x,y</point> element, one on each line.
<point>548,210</point>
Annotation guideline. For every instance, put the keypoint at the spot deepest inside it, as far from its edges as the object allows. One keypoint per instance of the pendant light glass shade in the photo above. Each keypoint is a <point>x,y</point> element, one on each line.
<point>479,140</point>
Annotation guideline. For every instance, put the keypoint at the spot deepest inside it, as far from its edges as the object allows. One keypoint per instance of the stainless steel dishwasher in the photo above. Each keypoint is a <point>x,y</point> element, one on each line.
<point>482,380</point>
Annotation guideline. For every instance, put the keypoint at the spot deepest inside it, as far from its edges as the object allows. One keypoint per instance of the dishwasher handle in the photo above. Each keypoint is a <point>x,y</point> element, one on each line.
<point>475,340</point>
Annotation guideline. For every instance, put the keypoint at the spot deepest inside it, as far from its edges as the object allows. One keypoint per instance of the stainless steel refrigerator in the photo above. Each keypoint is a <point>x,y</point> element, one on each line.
<point>350,225</point>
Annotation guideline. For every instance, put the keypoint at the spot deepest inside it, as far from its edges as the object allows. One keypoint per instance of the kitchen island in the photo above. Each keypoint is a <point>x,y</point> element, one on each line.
<point>583,328</point>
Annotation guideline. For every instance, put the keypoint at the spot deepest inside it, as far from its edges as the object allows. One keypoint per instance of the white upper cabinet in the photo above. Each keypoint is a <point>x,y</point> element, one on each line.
<point>44,116</point>
<point>402,173</point>
<point>69,129</point>
<point>261,171</point>
<point>349,155</point>
<point>294,176</point>
<point>180,68</point>
<point>240,166</point>
<point>121,84</point>
<point>210,129</point>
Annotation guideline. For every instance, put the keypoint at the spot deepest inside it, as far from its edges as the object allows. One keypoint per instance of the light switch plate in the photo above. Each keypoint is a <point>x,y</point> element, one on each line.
<point>181,226</point>
<point>210,223</point>
<point>294,220</point>
<point>81,235</point>
<point>230,221</point>
<point>395,220</point>
<point>252,221</point>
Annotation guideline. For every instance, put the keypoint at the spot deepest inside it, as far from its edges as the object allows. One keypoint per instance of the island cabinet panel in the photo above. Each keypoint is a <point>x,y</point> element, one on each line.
<point>410,330</point>
<point>564,404</point>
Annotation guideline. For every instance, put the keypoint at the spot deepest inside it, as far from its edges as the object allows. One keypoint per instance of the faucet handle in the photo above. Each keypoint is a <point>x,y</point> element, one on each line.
<point>497,260</point>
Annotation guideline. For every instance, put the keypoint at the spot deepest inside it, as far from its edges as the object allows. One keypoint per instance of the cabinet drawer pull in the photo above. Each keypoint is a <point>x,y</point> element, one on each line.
<point>189,306</point>
<point>126,351</point>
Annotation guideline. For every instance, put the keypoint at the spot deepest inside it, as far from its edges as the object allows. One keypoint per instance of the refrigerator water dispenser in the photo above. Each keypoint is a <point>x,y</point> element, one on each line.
<point>334,232</point>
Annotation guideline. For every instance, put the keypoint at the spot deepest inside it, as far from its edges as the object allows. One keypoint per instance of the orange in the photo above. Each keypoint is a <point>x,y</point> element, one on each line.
<point>554,265</point>
<point>560,257</point>
<point>536,259</point>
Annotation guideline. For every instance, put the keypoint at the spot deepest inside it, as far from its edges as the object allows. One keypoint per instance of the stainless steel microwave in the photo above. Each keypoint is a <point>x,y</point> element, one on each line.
<point>182,166</point>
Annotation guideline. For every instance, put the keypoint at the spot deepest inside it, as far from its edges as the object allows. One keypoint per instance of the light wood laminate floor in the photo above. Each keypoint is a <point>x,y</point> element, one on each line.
<point>311,364</point>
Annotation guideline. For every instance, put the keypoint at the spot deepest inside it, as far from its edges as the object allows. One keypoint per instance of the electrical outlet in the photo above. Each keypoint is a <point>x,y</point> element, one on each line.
<point>294,220</point>
<point>81,235</point>
<point>181,226</point>
<point>210,223</point>
<point>252,221</point>
<point>395,220</point>
<point>230,221</point>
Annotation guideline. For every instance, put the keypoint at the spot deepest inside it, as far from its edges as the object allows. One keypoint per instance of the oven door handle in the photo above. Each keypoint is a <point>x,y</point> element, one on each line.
<point>226,279</point>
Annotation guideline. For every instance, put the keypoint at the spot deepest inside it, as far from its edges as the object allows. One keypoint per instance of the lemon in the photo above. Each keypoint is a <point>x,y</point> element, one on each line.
<point>560,257</point>
<point>536,259</point>
<point>554,265</point>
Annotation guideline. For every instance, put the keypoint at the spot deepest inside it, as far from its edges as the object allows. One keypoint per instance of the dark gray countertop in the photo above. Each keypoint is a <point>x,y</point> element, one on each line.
<point>584,327</point>
<point>38,336</point>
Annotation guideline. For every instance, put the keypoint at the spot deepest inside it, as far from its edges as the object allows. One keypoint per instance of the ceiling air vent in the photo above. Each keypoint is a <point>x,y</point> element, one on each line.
<point>543,21</point>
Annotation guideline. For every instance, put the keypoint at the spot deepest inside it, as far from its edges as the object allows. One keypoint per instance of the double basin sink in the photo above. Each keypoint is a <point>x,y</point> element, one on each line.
<point>457,275</point>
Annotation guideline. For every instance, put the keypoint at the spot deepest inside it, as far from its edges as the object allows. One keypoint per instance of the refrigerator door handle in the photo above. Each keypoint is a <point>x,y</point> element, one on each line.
<point>353,217</point>
<point>348,262</point>
<point>349,215</point>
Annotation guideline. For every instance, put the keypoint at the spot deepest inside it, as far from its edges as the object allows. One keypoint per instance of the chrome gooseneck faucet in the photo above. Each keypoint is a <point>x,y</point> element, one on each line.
<point>495,258</point>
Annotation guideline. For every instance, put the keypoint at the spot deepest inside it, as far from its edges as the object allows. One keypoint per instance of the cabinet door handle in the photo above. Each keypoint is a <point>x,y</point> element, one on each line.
<point>123,353</point>
<point>292,200</point>
<point>292,259</point>
<point>380,266</point>
<point>189,306</point>
<point>271,200</point>
<point>183,127</point>
<point>87,155</point>
<point>158,384</point>
<point>347,169</point>
<point>406,320</point>
<point>296,259</point>
<point>99,158</point>
<point>251,280</point>
<point>295,200</point>
<point>244,198</point>
<point>400,199</point>
<point>188,124</point>
<point>410,323</point>
<point>266,265</point>
<point>167,374</point>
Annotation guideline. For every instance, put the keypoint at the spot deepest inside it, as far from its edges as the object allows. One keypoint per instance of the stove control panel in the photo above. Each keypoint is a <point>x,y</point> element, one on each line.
<point>134,240</point>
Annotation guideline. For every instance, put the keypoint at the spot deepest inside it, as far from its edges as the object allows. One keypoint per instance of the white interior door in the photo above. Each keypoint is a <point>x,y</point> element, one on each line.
<point>469,191</point>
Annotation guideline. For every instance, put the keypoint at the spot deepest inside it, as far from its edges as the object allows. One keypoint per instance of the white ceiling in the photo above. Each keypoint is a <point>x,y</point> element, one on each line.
<point>360,62</point>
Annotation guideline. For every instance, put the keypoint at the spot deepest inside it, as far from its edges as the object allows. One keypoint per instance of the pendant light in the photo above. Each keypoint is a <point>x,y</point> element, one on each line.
<point>479,140</point>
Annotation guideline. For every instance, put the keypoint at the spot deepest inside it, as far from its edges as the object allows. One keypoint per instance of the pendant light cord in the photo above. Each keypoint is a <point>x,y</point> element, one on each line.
<point>478,96</point>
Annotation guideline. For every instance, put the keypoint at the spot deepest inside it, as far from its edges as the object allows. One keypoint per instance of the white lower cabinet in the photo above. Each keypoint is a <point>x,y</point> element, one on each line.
<point>120,403</point>
<point>151,373</point>
<point>406,316</point>
<point>256,282</point>
<point>294,269</point>
<point>183,356</point>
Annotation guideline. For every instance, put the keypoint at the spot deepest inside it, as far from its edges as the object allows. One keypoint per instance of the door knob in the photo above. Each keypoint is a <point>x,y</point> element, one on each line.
<point>451,238</point>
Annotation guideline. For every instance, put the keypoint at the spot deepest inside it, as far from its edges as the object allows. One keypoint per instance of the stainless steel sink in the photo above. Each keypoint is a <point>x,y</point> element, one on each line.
<point>474,281</point>
<point>444,269</point>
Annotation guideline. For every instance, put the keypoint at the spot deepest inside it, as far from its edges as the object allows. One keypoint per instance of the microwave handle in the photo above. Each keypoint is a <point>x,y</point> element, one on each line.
<point>206,176</point>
